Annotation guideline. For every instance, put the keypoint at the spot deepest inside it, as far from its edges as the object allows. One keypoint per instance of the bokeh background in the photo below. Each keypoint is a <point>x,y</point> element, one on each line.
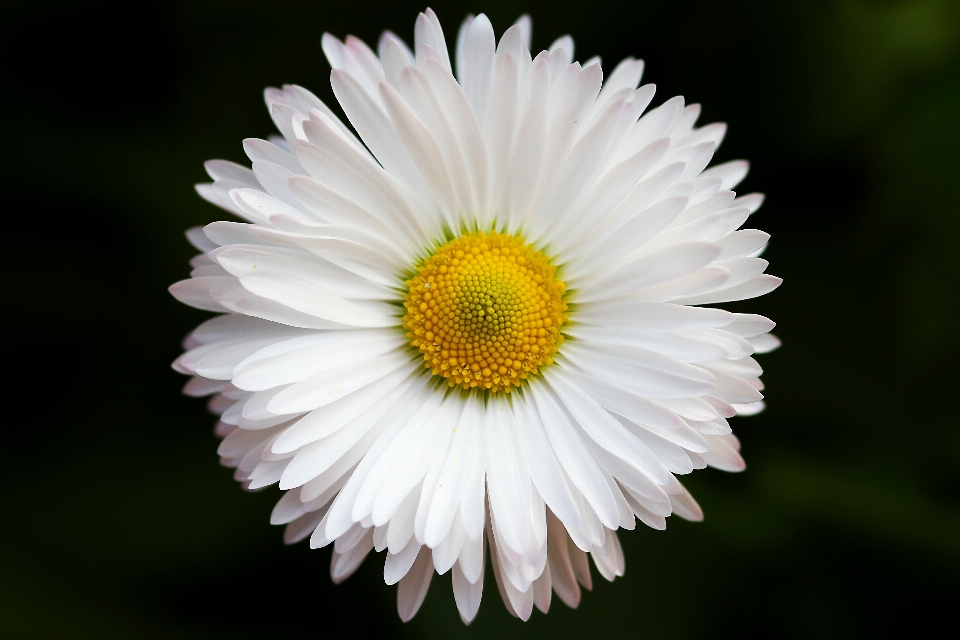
<point>118,521</point>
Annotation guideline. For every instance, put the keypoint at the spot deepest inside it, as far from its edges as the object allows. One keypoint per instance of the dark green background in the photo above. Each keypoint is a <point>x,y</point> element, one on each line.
<point>118,521</point>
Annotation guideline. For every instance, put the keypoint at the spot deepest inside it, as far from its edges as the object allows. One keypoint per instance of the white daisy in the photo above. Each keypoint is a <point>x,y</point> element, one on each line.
<point>475,326</point>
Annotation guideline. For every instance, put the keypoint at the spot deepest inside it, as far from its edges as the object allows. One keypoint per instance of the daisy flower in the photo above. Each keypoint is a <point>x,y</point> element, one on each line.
<point>473,323</point>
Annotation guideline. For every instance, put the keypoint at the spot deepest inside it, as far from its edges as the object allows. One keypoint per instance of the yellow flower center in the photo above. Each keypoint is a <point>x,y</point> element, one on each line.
<point>485,310</point>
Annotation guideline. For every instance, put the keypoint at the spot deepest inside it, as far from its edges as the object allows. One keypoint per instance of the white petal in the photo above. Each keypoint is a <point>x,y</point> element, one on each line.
<point>197,238</point>
<point>343,565</point>
<point>324,388</point>
<point>633,218</point>
<point>607,431</point>
<point>461,40</point>
<point>751,409</point>
<point>565,44</point>
<point>660,267</point>
<point>293,283</point>
<point>355,58</point>
<point>454,476</point>
<point>723,454</point>
<point>526,29</point>
<point>472,508</point>
<point>446,553</point>
<point>274,179</point>
<point>578,173</point>
<point>467,594</point>
<point>412,461</point>
<point>378,216</point>
<point>581,566</point>
<point>626,403</point>
<point>400,528</point>
<point>611,563</point>
<point>656,316</point>
<point>217,360</point>
<point>758,286</point>
<point>427,31</point>
<point>629,477</point>
<point>225,233</point>
<point>414,585</point>
<point>322,489</point>
<point>735,390</point>
<point>765,343</point>
<point>752,201</point>
<point>341,512</point>
<point>262,151</point>
<point>573,456</point>
<point>507,488</point>
<point>385,459</point>
<point>542,590</point>
<point>371,122</point>
<point>422,98</point>
<point>498,127</point>
<point>528,151</point>
<point>570,97</point>
<point>431,480</point>
<point>317,457</point>
<point>303,526</point>
<point>299,358</point>
<point>518,603</point>
<point>331,417</point>
<point>730,172</point>
<point>340,167</point>
<point>199,386</point>
<point>625,75</point>
<point>686,507</point>
<point>742,243</point>
<point>466,128</point>
<point>664,377</point>
<point>476,72</point>
<point>282,112</point>
<point>718,201</point>
<point>701,155</point>
<point>706,279</point>
<point>709,228</point>
<point>226,170</point>
<point>612,190</point>
<point>655,123</point>
<point>561,570</point>
<point>198,292</point>
<point>423,150</point>
<point>545,471</point>
<point>397,565</point>
<point>390,37</point>
<point>746,368</point>
<point>471,560</point>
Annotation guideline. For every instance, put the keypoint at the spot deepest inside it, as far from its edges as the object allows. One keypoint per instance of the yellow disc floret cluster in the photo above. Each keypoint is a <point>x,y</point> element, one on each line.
<point>485,310</point>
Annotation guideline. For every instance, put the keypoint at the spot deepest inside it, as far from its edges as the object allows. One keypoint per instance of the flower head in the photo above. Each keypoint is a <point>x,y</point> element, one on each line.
<point>472,322</point>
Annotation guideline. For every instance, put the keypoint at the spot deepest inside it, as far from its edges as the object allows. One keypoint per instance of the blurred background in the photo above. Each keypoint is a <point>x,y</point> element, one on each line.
<point>118,521</point>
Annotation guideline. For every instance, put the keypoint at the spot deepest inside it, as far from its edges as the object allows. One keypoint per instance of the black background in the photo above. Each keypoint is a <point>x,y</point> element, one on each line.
<point>117,519</point>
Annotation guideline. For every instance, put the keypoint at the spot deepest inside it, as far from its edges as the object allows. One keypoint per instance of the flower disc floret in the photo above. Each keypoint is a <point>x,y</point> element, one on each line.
<point>485,310</point>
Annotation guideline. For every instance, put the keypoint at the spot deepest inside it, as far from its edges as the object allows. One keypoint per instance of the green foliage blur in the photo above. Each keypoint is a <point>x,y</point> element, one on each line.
<point>118,521</point>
